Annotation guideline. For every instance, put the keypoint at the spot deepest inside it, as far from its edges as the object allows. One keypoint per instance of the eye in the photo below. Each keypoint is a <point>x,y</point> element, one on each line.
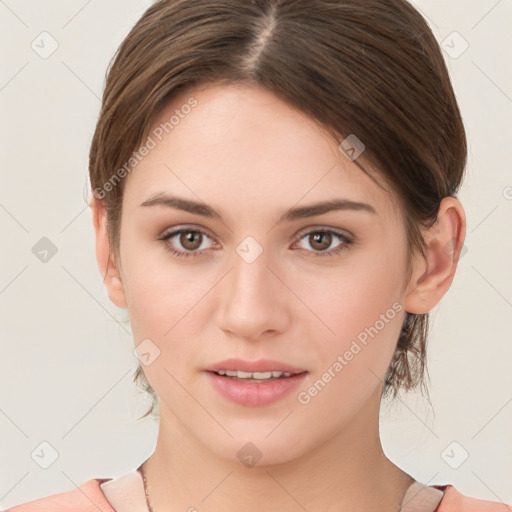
<point>321,239</point>
<point>191,240</point>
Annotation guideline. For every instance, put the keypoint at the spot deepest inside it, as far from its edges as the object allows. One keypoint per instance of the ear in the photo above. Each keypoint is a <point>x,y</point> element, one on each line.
<point>106,261</point>
<point>433,275</point>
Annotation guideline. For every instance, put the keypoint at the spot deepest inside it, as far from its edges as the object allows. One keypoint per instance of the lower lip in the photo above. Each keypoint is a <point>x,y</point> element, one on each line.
<point>254,394</point>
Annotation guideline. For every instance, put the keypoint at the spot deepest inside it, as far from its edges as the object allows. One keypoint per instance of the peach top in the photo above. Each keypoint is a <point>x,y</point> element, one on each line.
<point>126,494</point>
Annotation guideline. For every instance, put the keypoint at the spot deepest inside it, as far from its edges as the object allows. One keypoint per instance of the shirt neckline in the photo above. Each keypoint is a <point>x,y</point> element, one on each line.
<point>422,498</point>
<point>126,493</point>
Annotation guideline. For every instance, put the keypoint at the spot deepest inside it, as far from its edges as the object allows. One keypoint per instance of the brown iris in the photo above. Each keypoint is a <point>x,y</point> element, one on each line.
<point>322,238</point>
<point>189,240</point>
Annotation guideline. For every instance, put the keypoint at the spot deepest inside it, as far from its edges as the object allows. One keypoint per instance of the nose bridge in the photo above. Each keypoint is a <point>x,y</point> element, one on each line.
<point>253,302</point>
<point>250,279</point>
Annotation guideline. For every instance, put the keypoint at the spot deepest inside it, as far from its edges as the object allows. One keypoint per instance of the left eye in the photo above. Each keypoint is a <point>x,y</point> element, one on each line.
<point>321,239</point>
<point>192,240</point>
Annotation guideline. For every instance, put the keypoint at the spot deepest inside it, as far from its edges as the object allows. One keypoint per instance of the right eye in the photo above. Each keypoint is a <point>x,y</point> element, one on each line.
<point>190,239</point>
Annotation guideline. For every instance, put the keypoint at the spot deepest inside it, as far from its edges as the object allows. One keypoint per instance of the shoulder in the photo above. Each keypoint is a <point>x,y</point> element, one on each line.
<point>454,501</point>
<point>87,497</point>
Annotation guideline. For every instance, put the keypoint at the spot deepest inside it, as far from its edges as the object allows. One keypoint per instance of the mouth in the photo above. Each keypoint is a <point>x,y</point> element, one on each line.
<point>268,376</point>
<point>254,383</point>
<point>262,370</point>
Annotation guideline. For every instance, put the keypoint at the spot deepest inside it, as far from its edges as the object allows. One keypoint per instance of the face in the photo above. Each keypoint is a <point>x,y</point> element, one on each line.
<point>319,292</point>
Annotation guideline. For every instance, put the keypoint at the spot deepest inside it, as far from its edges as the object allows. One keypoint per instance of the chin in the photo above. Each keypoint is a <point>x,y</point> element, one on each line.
<point>257,448</point>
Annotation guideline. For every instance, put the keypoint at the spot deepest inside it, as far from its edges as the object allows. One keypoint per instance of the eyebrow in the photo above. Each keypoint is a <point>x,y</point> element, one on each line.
<point>292,214</point>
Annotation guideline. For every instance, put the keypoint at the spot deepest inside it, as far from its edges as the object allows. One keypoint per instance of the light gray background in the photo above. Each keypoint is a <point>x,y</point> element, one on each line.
<point>66,361</point>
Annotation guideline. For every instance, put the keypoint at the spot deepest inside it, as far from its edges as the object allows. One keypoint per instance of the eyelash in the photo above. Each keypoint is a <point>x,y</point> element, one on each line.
<point>347,243</point>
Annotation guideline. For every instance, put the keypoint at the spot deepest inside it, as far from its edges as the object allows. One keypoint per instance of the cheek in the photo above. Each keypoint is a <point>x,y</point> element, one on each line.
<point>360,314</point>
<point>353,296</point>
<point>169,304</point>
<point>164,305</point>
<point>156,296</point>
<point>157,292</point>
<point>351,363</point>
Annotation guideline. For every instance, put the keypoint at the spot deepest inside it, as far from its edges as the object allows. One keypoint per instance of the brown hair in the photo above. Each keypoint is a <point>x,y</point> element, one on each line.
<point>367,67</point>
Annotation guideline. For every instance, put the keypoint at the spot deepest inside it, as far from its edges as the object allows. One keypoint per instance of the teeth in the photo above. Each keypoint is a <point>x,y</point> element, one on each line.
<point>253,375</point>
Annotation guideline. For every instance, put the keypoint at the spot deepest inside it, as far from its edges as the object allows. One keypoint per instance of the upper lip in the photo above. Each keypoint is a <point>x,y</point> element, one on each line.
<point>260,365</point>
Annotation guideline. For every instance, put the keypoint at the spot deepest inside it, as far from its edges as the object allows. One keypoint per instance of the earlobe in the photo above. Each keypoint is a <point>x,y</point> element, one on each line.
<point>433,275</point>
<point>106,262</point>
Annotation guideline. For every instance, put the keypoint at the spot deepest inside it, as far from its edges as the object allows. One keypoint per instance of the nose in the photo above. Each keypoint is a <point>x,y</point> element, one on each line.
<point>254,300</point>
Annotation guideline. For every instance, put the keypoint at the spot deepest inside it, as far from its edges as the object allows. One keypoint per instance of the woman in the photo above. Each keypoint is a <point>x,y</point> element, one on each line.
<point>274,202</point>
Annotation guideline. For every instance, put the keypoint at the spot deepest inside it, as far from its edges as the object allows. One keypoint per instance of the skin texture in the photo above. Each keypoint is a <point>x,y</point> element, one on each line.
<point>251,157</point>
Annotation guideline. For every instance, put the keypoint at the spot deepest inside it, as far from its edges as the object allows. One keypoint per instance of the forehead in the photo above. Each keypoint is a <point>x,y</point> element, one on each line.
<point>230,143</point>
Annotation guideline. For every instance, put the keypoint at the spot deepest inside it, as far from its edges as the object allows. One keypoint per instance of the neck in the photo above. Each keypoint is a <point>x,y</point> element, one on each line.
<point>348,471</point>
